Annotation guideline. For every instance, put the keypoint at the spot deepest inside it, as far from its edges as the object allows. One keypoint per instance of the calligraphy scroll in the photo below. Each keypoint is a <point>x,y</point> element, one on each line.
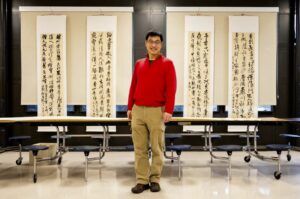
<point>198,74</point>
<point>198,68</point>
<point>101,67</point>
<point>101,61</point>
<point>51,64</point>
<point>199,63</point>
<point>243,68</point>
<point>243,73</point>
<point>100,100</point>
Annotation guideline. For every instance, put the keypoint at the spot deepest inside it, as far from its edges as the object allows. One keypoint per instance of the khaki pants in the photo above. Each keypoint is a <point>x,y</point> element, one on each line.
<point>148,128</point>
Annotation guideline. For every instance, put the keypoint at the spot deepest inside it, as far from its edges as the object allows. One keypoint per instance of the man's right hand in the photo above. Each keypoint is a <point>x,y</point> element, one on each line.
<point>129,115</point>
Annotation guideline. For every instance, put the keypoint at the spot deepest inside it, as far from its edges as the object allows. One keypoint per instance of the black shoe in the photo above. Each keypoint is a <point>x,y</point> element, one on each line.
<point>154,187</point>
<point>139,188</point>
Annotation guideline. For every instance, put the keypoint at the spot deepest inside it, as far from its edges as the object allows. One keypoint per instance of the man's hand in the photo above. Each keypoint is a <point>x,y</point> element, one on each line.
<point>167,117</point>
<point>129,115</point>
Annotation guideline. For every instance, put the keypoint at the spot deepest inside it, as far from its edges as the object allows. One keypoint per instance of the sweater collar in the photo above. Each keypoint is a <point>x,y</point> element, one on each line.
<point>157,58</point>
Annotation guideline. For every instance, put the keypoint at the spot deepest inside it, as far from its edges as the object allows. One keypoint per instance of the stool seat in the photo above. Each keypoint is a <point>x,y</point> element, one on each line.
<point>35,148</point>
<point>61,137</point>
<point>85,148</point>
<point>278,147</point>
<point>172,137</point>
<point>250,136</point>
<point>20,137</point>
<point>229,147</point>
<point>287,135</point>
<point>179,147</point>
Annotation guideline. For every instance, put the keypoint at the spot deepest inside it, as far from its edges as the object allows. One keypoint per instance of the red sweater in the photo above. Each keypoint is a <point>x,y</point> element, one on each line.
<point>153,84</point>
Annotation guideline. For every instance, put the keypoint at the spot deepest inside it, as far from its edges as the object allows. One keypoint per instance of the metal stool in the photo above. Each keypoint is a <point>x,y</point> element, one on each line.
<point>178,149</point>
<point>35,149</point>
<point>290,138</point>
<point>209,145</point>
<point>171,137</point>
<point>278,148</point>
<point>19,140</point>
<point>206,139</point>
<point>229,149</point>
<point>86,150</point>
<point>61,141</point>
<point>102,148</point>
<point>248,145</point>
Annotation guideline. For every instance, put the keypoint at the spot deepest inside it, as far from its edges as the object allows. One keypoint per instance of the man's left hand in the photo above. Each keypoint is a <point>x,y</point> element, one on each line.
<point>167,117</point>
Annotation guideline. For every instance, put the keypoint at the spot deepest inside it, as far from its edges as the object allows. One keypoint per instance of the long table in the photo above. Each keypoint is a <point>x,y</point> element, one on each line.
<point>106,122</point>
<point>60,120</point>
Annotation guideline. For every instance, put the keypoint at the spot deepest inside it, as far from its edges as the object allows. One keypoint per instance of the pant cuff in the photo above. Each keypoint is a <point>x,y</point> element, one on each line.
<point>142,182</point>
<point>154,180</point>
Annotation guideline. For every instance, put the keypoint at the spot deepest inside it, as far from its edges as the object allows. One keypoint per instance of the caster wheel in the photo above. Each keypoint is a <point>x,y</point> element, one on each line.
<point>34,178</point>
<point>277,175</point>
<point>59,160</point>
<point>18,161</point>
<point>247,158</point>
<point>288,157</point>
<point>172,161</point>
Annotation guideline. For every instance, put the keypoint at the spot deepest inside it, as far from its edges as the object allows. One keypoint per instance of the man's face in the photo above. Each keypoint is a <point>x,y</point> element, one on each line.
<point>153,45</point>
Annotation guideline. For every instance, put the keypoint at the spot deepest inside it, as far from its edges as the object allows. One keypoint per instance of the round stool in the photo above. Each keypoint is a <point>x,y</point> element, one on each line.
<point>35,149</point>
<point>86,150</point>
<point>19,140</point>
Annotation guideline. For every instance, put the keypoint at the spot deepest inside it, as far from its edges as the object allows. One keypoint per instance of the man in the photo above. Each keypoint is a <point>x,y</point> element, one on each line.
<point>150,106</point>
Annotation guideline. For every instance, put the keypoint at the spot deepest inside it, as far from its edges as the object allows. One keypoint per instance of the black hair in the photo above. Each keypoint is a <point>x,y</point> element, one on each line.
<point>154,34</point>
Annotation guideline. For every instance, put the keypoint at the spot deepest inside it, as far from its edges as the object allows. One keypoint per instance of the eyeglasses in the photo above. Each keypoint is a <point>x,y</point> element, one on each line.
<point>157,42</point>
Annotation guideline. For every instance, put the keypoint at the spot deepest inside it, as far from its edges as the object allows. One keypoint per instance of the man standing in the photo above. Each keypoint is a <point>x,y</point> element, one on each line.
<point>150,106</point>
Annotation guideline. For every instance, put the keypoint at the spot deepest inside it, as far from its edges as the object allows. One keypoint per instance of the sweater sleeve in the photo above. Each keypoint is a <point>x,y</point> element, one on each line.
<point>132,89</point>
<point>171,88</point>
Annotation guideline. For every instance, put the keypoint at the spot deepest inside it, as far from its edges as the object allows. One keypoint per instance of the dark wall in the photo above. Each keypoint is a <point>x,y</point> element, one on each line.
<point>3,66</point>
<point>297,60</point>
<point>297,63</point>
<point>148,14</point>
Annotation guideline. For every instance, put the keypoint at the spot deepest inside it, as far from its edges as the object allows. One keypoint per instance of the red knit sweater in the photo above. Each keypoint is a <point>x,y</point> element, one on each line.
<point>153,84</point>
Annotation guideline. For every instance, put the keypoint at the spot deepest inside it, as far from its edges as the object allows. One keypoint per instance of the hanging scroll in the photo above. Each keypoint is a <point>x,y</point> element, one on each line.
<point>101,74</point>
<point>198,68</point>
<point>243,67</point>
<point>101,67</point>
<point>51,64</point>
<point>101,41</point>
<point>198,74</point>
<point>199,62</point>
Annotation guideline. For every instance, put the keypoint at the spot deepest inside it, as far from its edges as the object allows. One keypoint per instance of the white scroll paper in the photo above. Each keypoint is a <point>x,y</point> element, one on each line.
<point>51,65</point>
<point>243,66</point>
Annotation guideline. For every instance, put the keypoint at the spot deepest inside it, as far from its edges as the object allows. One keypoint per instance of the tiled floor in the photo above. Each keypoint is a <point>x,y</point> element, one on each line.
<point>115,177</point>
